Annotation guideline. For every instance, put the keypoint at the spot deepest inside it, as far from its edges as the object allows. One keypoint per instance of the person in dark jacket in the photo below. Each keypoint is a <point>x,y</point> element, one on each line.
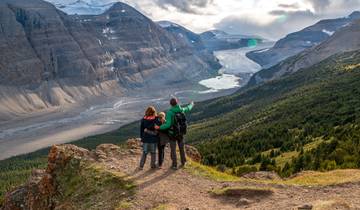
<point>149,136</point>
<point>169,122</point>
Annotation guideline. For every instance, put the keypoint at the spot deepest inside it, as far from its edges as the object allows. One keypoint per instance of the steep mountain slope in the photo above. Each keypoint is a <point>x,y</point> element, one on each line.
<point>50,58</point>
<point>219,40</point>
<point>297,42</point>
<point>190,37</point>
<point>305,113</point>
<point>344,40</point>
<point>107,178</point>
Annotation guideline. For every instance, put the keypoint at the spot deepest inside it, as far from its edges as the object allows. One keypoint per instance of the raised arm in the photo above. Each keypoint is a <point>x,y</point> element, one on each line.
<point>187,108</point>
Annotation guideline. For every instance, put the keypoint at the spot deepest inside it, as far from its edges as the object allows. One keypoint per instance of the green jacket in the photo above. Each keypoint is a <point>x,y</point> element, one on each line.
<point>171,113</point>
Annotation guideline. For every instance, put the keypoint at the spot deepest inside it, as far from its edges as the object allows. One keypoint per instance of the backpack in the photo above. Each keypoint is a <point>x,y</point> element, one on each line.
<point>180,125</point>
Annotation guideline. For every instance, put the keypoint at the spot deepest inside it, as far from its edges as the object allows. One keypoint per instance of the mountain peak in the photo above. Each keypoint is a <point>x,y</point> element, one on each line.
<point>165,24</point>
<point>118,5</point>
<point>123,8</point>
<point>355,15</point>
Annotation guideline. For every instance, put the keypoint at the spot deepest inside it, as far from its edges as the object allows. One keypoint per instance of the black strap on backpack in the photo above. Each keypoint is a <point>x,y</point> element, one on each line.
<point>179,126</point>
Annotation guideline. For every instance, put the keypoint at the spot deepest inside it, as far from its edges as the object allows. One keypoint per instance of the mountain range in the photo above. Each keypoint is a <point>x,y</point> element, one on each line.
<point>343,40</point>
<point>213,40</point>
<point>61,59</point>
<point>297,42</point>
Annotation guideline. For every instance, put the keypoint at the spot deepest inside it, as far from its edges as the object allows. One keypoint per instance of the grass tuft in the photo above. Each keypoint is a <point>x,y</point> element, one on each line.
<point>312,178</point>
<point>307,178</point>
<point>209,172</point>
<point>161,207</point>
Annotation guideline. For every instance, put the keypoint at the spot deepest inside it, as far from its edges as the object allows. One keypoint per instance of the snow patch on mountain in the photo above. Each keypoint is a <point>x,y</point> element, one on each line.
<point>330,33</point>
<point>263,50</point>
<point>166,24</point>
<point>83,7</point>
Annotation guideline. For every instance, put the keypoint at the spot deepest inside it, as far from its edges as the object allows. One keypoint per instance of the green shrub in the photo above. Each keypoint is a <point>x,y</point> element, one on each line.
<point>245,169</point>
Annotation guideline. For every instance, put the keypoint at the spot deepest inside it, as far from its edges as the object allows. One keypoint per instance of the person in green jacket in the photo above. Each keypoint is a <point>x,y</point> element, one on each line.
<point>170,117</point>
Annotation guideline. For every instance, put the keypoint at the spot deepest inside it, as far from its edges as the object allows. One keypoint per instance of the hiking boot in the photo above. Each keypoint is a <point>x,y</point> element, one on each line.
<point>174,167</point>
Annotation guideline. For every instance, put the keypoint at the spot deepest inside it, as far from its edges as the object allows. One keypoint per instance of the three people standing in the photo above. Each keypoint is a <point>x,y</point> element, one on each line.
<point>158,130</point>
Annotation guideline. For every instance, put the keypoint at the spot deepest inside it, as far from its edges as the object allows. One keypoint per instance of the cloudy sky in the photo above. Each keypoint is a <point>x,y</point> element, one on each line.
<point>269,18</point>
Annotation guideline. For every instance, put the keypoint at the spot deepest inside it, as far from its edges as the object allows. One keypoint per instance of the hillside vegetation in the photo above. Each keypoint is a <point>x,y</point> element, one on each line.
<point>305,121</point>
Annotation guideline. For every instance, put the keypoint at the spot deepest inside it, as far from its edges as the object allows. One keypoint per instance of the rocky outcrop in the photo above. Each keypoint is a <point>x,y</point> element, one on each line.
<point>73,175</point>
<point>344,40</point>
<point>42,188</point>
<point>44,50</point>
<point>297,42</point>
<point>46,188</point>
<point>193,153</point>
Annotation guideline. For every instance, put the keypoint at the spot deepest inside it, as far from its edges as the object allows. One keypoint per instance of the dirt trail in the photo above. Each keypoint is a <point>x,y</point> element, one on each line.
<point>168,189</point>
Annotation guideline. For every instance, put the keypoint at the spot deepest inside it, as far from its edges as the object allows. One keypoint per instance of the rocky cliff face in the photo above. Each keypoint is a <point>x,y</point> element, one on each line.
<point>191,38</point>
<point>344,40</point>
<point>297,42</point>
<point>43,47</point>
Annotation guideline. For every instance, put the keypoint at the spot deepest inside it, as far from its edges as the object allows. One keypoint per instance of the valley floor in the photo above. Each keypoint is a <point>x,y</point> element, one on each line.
<point>101,115</point>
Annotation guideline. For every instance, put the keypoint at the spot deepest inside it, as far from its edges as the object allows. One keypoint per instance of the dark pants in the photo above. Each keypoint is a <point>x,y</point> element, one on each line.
<point>148,148</point>
<point>164,139</point>
<point>180,142</point>
<point>161,152</point>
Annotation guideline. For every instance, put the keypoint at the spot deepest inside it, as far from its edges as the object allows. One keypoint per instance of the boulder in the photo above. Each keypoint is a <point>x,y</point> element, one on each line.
<point>38,192</point>
<point>192,153</point>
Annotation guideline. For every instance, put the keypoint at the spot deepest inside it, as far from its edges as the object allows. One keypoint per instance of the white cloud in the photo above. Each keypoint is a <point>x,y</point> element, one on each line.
<point>270,18</point>
<point>281,24</point>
